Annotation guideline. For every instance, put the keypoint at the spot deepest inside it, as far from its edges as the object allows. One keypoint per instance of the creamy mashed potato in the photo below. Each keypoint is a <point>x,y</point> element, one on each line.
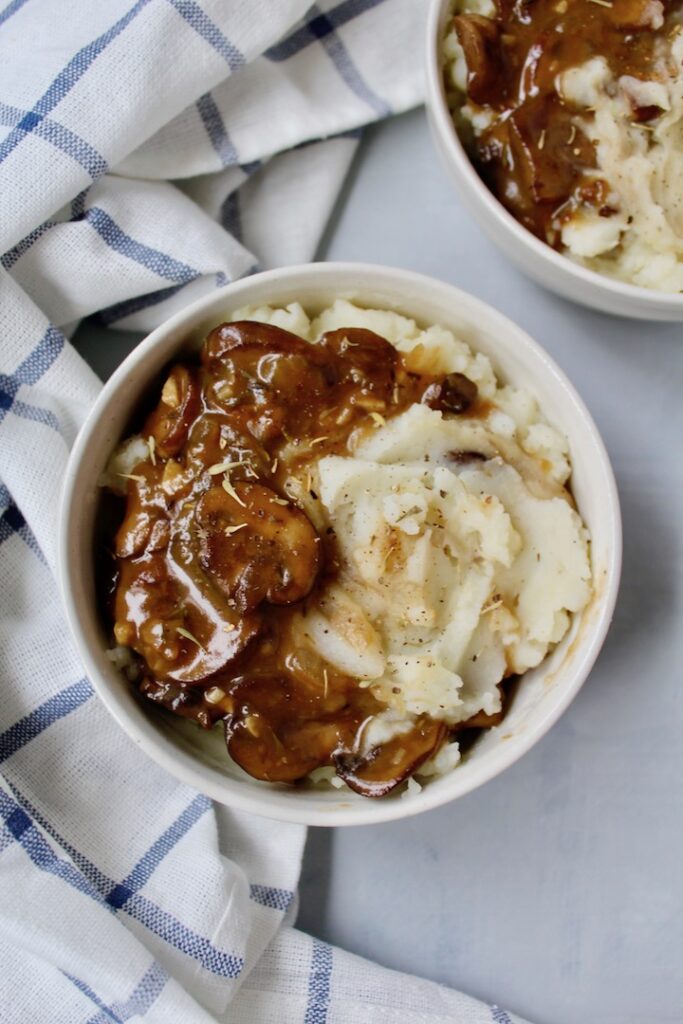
<point>463,557</point>
<point>636,235</point>
<point>642,243</point>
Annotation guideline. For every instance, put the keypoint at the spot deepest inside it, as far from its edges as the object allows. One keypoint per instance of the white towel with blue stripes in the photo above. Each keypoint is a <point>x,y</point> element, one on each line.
<point>150,151</point>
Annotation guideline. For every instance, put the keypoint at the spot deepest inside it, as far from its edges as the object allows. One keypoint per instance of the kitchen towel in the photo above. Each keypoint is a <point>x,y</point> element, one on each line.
<point>151,152</point>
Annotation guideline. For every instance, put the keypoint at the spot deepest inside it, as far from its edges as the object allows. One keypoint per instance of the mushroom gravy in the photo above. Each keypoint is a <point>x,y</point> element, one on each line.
<point>215,560</point>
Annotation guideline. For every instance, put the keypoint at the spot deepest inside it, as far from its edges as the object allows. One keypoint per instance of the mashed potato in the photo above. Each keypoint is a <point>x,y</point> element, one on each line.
<point>643,242</point>
<point>463,557</point>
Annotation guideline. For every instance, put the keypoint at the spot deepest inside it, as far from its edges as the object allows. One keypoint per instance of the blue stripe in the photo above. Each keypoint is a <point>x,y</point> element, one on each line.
<point>107,1011</point>
<point>230,215</point>
<point>14,254</point>
<point>78,204</point>
<point>73,145</point>
<point>216,130</point>
<point>99,1018</point>
<point>8,403</point>
<point>12,523</point>
<point>91,880</point>
<point>33,843</point>
<point>10,115</point>
<point>98,881</point>
<point>141,999</point>
<point>145,993</point>
<point>318,27</point>
<point>66,79</point>
<point>319,984</point>
<point>29,372</point>
<point>178,935</point>
<point>55,133</point>
<point>147,864</point>
<point>152,259</point>
<point>209,31</point>
<point>106,227</point>
<point>500,1016</point>
<point>35,414</point>
<point>269,896</point>
<point>343,62</point>
<point>50,711</point>
<point>81,61</point>
<point>39,361</point>
<point>6,837</point>
<point>11,9</point>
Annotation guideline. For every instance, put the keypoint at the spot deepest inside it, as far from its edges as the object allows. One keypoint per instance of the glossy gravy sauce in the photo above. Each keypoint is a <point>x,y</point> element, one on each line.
<point>214,560</point>
<point>534,157</point>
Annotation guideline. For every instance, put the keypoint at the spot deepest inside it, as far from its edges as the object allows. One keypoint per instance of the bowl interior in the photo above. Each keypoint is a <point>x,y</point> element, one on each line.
<point>200,758</point>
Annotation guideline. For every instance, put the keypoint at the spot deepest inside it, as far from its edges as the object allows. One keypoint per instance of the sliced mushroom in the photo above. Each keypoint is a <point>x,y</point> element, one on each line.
<point>215,440</point>
<point>227,337</point>
<point>275,732</point>
<point>546,173</point>
<point>182,699</point>
<point>641,115</point>
<point>478,37</point>
<point>179,406</point>
<point>185,631</point>
<point>260,354</point>
<point>481,720</point>
<point>254,744</point>
<point>145,527</point>
<point>363,358</point>
<point>456,393</point>
<point>462,457</point>
<point>266,370</point>
<point>257,546</point>
<point>384,767</point>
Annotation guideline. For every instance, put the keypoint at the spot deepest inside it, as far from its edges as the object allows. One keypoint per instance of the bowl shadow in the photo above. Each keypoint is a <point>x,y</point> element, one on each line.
<point>646,602</point>
<point>314,883</point>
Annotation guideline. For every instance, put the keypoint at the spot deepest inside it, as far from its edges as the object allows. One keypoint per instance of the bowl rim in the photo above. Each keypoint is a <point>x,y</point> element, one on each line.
<point>442,122</point>
<point>268,802</point>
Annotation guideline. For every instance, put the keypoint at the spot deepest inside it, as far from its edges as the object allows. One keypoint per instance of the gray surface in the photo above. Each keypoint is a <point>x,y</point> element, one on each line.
<point>555,889</point>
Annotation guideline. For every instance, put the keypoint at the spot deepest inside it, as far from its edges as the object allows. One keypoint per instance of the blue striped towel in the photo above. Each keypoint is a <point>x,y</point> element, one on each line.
<point>149,152</point>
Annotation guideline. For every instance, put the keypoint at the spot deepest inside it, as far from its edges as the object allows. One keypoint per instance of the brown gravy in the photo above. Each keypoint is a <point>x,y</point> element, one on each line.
<point>214,560</point>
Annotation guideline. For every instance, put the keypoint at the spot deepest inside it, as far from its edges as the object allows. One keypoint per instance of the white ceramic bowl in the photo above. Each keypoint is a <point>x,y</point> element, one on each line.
<point>200,758</point>
<point>534,257</point>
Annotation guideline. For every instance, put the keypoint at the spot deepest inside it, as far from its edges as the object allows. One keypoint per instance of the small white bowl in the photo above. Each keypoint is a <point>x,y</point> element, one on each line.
<point>541,262</point>
<point>200,758</point>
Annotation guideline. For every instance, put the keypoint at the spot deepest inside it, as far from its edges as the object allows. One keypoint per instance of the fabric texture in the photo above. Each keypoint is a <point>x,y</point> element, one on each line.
<point>152,151</point>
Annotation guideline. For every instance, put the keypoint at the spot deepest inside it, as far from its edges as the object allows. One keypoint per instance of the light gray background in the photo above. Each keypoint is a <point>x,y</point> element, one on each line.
<point>554,890</point>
